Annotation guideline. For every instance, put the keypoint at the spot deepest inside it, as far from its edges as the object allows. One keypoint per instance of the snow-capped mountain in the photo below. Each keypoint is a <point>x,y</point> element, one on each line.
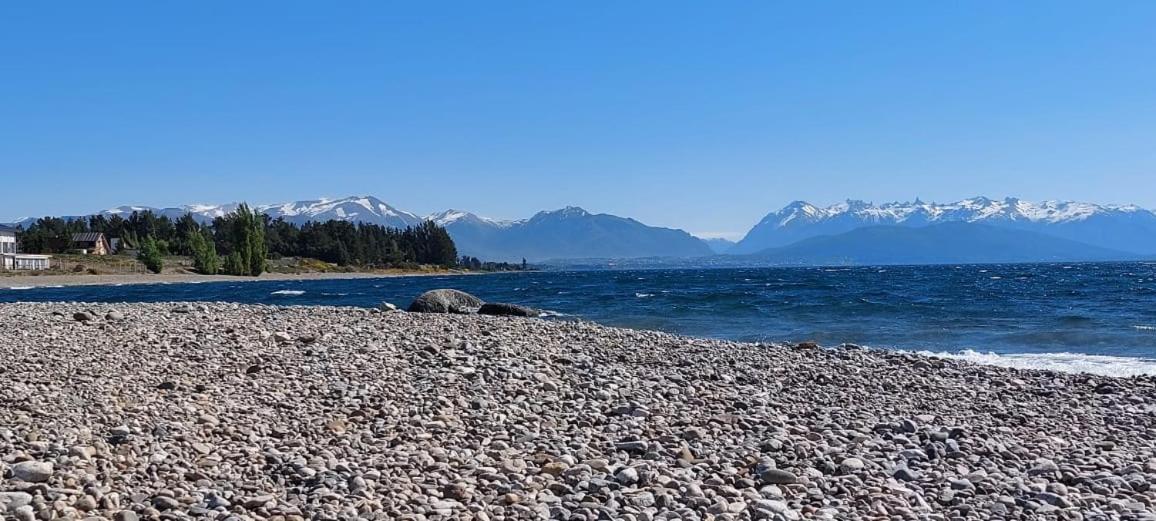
<point>568,233</point>
<point>365,209</point>
<point>449,217</point>
<point>949,242</point>
<point>202,212</point>
<point>1120,227</point>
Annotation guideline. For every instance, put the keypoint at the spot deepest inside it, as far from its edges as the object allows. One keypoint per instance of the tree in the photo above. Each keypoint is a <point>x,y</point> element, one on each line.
<point>205,259</point>
<point>258,251</point>
<point>242,240</point>
<point>186,228</point>
<point>234,265</point>
<point>243,234</point>
<point>150,255</point>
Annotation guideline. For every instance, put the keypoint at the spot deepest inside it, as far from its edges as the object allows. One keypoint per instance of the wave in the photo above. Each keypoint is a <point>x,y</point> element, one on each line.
<point>22,287</point>
<point>643,295</point>
<point>1103,365</point>
<point>1137,328</point>
<point>288,292</point>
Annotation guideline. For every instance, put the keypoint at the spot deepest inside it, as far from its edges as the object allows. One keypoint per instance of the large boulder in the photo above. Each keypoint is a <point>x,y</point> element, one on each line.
<point>445,301</point>
<point>506,310</point>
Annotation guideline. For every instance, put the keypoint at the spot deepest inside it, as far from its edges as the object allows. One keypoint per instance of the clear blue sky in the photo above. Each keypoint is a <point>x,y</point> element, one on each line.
<point>703,116</point>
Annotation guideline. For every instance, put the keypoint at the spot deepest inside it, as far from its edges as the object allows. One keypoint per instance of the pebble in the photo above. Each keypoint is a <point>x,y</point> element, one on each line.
<point>267,413</point>
<point>32,471</point>
<point>777,477</point>
<point>627,476</point>
<point>10,501</point>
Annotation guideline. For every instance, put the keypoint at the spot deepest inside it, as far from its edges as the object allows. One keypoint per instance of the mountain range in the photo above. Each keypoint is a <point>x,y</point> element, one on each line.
<point>951,242</point>
<point>365,209</point>
<point>568,233</point>
<point>1125,228</point>
<point>800,233</point>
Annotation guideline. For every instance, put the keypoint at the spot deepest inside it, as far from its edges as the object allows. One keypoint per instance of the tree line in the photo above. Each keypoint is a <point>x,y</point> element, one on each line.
<point>240,243</point>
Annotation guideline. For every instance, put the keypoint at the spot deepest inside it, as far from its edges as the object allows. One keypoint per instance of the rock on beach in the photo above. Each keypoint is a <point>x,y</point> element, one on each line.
<point>356,414</point>
<point>445,301</point>
<point>506,310</point>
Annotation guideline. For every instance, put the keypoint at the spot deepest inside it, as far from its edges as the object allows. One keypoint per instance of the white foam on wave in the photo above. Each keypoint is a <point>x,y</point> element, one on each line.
<point>643,295</point>
<point>1144,328</point>
<point>292,292</point>
<point>22,287</point>
<point>1104,365</point>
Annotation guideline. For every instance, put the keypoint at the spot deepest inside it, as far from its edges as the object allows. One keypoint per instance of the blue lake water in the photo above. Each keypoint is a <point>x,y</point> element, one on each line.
<point>1099,317</point>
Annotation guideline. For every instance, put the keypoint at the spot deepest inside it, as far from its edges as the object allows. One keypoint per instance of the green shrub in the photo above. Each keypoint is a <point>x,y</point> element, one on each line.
<point>205,259</point>
<point>150,255</point>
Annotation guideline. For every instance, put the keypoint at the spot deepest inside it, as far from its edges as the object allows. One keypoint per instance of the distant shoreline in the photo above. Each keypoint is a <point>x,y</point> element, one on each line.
<point>40,281</point>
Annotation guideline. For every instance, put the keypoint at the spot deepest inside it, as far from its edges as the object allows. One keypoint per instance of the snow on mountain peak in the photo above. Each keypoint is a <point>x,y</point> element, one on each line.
<point>451,216</point>
<point>975,209</point>
<point>572,211</point>
<point>362,208</point>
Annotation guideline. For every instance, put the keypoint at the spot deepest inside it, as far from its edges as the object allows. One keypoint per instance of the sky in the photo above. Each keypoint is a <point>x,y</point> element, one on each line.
<point>703,116</point>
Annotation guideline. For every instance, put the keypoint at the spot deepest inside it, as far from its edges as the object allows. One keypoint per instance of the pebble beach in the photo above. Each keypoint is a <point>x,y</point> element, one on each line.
<point>243,412</point>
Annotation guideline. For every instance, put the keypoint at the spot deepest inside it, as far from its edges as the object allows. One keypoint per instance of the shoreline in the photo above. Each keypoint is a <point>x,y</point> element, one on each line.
<point>41,281</point>
<point>311,412</point>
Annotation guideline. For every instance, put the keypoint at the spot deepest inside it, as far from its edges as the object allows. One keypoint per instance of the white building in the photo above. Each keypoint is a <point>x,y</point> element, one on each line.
<point>12,259</point>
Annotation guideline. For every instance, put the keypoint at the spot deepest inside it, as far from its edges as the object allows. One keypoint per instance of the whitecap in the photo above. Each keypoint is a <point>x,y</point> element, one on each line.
<point>1104,365</point>
<point>22,287</point>
<point>643,295</point>
<point>289,292</point>
<point>1144,328</point>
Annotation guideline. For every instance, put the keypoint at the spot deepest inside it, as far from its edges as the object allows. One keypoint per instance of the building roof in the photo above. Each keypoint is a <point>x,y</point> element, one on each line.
<point>87,237</point>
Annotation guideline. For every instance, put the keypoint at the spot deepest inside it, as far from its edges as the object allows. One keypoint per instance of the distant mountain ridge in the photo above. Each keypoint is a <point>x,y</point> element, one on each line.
<point>560,234</point>
<point>1119,227</point>
<point>952,242</point>
<point>569,233</point>
<point>362,208</point>
<point>719,245</point>
<point>573,233</point>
